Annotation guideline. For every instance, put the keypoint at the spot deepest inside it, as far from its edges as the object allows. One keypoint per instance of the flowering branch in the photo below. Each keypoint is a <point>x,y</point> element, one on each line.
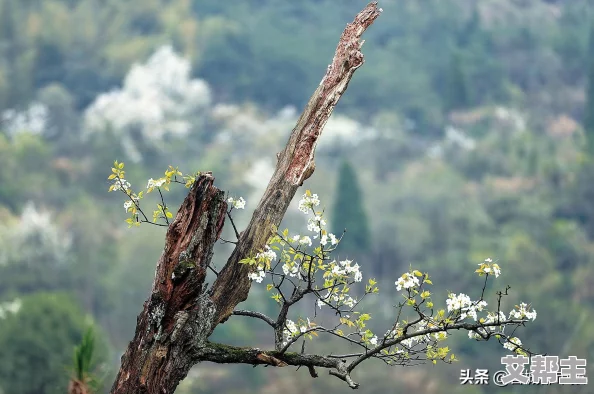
<point>407,341</point>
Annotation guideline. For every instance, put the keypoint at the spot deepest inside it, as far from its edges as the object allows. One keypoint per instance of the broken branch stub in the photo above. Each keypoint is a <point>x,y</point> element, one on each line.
<point>178,312</point>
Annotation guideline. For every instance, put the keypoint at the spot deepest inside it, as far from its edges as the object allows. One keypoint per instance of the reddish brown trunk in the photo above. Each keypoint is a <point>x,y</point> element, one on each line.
<point>169,326</point>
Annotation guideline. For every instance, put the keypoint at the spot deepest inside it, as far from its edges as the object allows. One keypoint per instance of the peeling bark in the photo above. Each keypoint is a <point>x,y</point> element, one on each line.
<point>178,312</point>
<point>179,316</point>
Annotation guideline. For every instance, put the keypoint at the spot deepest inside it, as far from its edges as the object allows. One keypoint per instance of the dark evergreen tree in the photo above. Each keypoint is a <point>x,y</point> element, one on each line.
<point>349,213</point>
<point>589,110</point>
<point>456,89</point>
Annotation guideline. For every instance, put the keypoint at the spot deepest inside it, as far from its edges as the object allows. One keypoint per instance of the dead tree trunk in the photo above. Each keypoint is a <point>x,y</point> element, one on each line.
<point>172,330</point>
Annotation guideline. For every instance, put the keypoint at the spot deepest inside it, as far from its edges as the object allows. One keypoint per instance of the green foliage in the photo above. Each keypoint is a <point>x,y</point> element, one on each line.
<point>83,355</point>
<point>83,360</point>
<point>24,154</point>
<point>37,344</point>
<point>349,212</point>
<point>456,85</point>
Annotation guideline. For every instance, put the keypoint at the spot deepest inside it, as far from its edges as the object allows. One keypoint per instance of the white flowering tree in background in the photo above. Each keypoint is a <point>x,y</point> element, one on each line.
<point>157,99</point>
<point>173,329</point>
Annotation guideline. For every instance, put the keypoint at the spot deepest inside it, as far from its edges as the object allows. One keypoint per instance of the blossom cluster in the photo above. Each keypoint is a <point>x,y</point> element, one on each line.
<point>120,184</point>
<point>513,344</point>
<point>407,281</point>
<point>315,224</point>
<point>132,204</point>
<point>10,307</point>
<point>291,329</point>
<point>258,275</point>
<point>155,183</point>
<point>237,203</point>
<point>344,269</point>
<point>521,312</point>
<point>261,263</point>
<point>492,317</point>
<point>308,202</point>
<point>464,305</point>
<point>489,268</point>
<point>338,298</point>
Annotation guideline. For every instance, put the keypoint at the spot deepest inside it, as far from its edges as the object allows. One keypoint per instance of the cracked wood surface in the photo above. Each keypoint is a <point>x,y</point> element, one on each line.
<point>177,310</point>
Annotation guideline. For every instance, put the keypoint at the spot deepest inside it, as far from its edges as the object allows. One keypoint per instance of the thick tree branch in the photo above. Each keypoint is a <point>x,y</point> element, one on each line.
<point>225,354</point>
<point>295,164</point>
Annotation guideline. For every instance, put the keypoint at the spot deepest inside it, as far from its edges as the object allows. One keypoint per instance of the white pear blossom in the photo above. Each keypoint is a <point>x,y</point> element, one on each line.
<point>155,183</point>
<point>290,330</point>
<point>128,204</point>
<point>373,340</point>
<point>439,335</point>
<point>10,307</point>
<point>521,312</point>
<point>491,318</point>
<point>308,202</point>
<point>338,298</point>
<point>267,254</point>
<point>120,184</point>
<point>347,300</point>
<point>333,239</point>
<point>489,268</point>
<point>305,240</point>
<point>457,302</point>
<point>462,303</point>
<point>257,276</point>
<point>314,224</point>
<point>410,342</point>
<point>512,344</point>
<point>237,203</point>
<point>406,281</point>
<point>291,269</point>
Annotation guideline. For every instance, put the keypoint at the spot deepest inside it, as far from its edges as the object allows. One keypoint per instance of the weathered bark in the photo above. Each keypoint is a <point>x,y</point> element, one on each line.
<point>178,312</point>
<point>177,319</point>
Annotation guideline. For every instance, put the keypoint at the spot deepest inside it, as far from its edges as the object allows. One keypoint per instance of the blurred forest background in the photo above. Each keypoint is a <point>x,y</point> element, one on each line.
<point>468,133</point>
